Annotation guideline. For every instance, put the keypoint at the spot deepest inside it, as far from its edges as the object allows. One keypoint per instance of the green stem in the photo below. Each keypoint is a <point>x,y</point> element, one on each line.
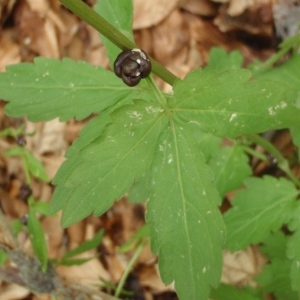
<point>282,162</point>
<point>140,248</point>
<point>82,10</point>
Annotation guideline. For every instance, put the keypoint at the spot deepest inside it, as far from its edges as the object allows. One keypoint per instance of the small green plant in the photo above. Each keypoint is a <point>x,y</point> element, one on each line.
<point>32,168</point>
<point>167,147</point>
<point>41,275</point>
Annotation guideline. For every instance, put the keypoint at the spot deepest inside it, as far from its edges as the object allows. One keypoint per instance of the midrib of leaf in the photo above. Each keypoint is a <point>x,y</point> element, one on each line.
<point>257,216</point>
<point>182,196</point>
<point>185,202</point>
<point>199,212</point>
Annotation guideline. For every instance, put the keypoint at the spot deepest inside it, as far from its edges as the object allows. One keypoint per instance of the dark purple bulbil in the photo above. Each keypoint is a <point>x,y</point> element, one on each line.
<point>132,66</point>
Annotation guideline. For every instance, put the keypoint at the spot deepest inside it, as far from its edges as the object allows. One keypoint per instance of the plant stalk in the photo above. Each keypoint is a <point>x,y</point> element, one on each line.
<point>82,10</point>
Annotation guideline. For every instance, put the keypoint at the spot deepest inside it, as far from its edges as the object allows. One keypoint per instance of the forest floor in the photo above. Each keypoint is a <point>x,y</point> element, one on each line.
<point>179,34</point>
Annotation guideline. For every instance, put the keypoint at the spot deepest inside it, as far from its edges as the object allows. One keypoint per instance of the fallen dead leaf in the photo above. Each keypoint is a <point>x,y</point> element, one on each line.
<point>9,50</point>
<point>88,274</point>
<point>254,19</point>
<point>204,8</point>
<point>150,13</point>
<point>240,267</point>
<point>48,137</point>
<point>13,292</point>
<point>237,7</point>
<point>36,33</point>
<point>6,7</point>
<point>165,45</point>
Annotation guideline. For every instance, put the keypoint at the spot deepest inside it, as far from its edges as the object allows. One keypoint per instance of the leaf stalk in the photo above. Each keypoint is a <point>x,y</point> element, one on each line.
<point>158,94</point>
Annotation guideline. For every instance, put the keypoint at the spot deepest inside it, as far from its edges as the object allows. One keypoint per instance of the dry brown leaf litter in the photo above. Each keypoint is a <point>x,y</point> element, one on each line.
<point>177,33</point>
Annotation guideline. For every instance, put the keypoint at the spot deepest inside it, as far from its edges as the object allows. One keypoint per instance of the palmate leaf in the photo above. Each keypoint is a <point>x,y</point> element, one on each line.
<point>100,171</point>
<point>119,14</point>
<point>275,278</point>
<point>186,226</point>
<point>274,246</point>
<point>140,190</point>
<point>209,144</point>
<point>295,132</point>
<point>50,88</point>
<point>287,73</point>
<point>230,167</point>
<point>220,60</point>
<point>262,207</point>
<point>293,250</point>
<point>229,104</point>
<point>230,292</point>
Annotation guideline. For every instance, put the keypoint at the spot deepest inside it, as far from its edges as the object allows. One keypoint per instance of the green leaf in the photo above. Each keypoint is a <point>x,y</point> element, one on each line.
<point>37,238</point>
<point>36,168</point>
<point>187,230</point>
<point>275,278</point>
<point>229,292</point>
<point>295,132</point>
<point>13,132</point>
<point>74,262</point>
<point>140,190</point>
<point>119,14</point>
<point>262,207</point>
<point>209,144</point>
<point>3,257</point>
<point>229,104</point>
<point>220,60</point>
<point>103,170</point>
<point>89,133</point>
<point>287,73</point>
<point>86,245</point>
<point>14,151</point>
<point>230,167</point>
<point>50,88</point>
<point>41,207</point>
<point>16,227</point>
<point>274,246</point>
<point>293,251</point>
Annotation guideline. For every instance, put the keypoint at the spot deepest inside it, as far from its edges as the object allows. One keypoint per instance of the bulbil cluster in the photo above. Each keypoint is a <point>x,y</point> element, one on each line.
<point>132,65</point>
